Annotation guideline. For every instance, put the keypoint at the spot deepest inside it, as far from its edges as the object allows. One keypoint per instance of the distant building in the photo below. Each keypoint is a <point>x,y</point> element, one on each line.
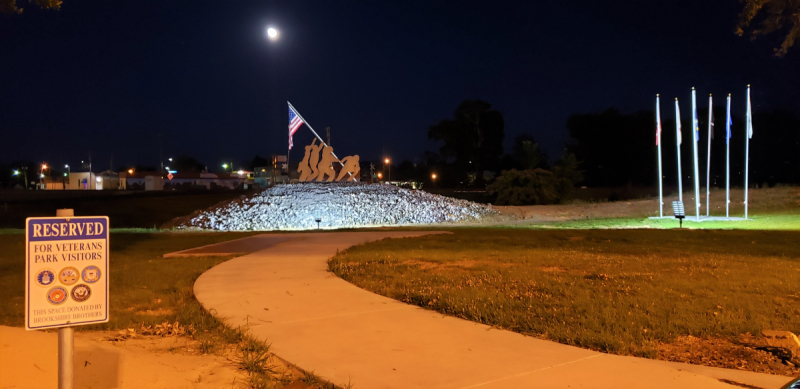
<point>185,181</point>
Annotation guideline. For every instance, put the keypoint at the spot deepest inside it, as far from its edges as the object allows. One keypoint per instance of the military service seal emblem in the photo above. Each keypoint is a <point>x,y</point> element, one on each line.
<point>45,277</point>
<point>81,293</point>
<point>69,275</point>
<point>91,274</point>
<point>57,295</point>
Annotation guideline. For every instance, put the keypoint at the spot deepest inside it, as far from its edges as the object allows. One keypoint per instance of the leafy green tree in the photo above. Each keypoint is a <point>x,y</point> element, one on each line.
<point>769,16</point>
<point>567,171</point>
<point>473,139</point>
<point>10,6</point>
<point>527,153</point>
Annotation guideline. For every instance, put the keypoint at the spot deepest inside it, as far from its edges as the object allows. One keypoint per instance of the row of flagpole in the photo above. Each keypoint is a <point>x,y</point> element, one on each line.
<point>696,139</point>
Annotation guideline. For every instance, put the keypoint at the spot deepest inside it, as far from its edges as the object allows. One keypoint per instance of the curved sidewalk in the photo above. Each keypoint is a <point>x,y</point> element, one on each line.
<point>345,334</point>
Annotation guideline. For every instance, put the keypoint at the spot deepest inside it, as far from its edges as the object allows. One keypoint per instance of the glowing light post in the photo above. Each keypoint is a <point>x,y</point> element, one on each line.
<point>41,173</point>
<point>433,178</point>
<point>389,174</point>
<point>678,142</point>
<point>658,143</point>
<point>728,158</point>
<point>708,164</point>
<point>67,173</point>
<point>748,135</point>
<point>695,139</point>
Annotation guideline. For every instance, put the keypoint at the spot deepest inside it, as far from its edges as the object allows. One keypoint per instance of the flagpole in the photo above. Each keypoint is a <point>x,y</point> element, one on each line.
<point>658,143</point>
<point>728,158</point>
<point>315,134</point>
<point>747,135</point>
<point>678,143</point>
<point>695,139</point>
<point>708,164</point>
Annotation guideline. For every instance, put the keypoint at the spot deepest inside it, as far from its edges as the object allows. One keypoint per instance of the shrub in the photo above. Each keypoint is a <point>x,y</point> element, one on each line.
<point>522,187</point>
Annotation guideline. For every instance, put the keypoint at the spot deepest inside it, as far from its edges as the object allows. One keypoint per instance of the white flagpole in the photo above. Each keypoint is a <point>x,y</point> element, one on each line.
<point>728,159</point>
<point>748,135</point>
<point>708,164</point>
<point>315,134</point>
<point>695,132</point>
<point>678,143</point>
<point>658,142</point>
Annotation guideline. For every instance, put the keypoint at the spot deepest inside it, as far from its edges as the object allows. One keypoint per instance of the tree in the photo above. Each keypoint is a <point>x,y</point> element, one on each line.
<point>10,6</point>
<point>568,174</point>
<point>185,163</point>
<point>473,139</point>
<point>770,16</point>
<point>258,161</point>
<point>608,142</point>
<point>527,153</point>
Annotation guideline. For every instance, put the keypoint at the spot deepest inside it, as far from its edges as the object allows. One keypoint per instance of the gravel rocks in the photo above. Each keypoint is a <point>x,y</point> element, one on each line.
<point>338,205</point>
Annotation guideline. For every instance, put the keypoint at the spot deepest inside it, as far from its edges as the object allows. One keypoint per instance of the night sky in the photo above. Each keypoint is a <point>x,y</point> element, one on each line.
<point>105,77</point>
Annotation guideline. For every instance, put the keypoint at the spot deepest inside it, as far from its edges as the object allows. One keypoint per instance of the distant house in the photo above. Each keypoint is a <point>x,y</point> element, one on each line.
<point>184,181</point>
<point>106,180</point>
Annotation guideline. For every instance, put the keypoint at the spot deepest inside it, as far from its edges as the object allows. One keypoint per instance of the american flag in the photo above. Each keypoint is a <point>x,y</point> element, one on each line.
<point>294,124</point>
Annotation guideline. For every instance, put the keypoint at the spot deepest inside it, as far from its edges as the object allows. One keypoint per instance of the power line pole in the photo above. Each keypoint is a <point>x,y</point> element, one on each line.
<point>161,152</point>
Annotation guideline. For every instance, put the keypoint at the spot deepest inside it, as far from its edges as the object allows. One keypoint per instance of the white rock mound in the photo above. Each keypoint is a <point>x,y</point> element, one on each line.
<point>338,205</point>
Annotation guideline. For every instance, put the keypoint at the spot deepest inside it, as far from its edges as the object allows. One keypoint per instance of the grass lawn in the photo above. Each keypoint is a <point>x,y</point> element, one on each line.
<point>126,209</point>
<point>145,288</point>
<point>618,291</point>
<point>774,221</point>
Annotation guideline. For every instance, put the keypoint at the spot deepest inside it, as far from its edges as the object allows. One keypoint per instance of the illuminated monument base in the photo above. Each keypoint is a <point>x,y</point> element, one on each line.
<point>338,205</point>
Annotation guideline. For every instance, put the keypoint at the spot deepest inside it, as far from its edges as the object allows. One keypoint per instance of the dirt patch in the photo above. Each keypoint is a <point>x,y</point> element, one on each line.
<point>156,312</point>
<point>553,269</point>
<point>726,354</point>
<point>467,264</point>
<point>128,359</point>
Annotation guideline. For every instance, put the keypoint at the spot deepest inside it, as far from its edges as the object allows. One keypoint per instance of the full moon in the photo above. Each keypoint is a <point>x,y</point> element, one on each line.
<point>272,33</point>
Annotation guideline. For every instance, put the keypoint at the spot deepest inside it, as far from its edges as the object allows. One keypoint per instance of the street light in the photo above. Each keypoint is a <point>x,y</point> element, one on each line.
<point>387,161</point>
<point>433,178</point>
<point>16,172</point>
<point>380,175</point>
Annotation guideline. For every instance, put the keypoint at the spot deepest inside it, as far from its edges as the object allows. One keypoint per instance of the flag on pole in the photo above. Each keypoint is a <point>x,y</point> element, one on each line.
<point>728,123</point>
<point>749,117</point>
<point>678,115</point>
<point>658,123</point>
<point>294,124</point>
<point>712,123</point>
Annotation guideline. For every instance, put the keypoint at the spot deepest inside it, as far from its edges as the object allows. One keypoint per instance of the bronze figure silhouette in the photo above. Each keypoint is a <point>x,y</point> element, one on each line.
<point>350,165</point>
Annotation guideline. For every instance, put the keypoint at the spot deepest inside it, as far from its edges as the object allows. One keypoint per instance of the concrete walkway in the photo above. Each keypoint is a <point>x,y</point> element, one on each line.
<point>345,334</point>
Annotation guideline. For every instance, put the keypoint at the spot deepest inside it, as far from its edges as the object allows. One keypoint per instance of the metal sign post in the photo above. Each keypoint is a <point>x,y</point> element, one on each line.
<point>66,279</point>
